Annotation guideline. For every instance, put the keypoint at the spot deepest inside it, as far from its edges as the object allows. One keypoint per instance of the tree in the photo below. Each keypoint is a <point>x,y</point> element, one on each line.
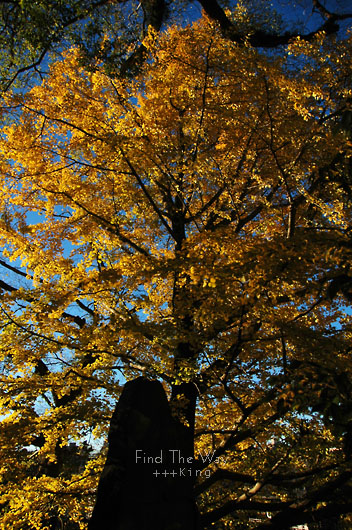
<point>113,32</point>
<point>192,225</point>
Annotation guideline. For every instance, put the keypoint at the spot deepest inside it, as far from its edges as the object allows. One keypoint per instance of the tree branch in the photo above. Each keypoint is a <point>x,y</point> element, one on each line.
<point>262,39</point>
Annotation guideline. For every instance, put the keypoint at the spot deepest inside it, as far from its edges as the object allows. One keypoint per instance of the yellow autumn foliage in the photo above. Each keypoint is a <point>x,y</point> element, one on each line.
<point>191,224</point>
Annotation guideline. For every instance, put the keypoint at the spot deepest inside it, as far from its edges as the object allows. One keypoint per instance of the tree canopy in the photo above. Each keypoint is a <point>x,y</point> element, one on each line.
<point>191,224</point>
<point>112,32</point>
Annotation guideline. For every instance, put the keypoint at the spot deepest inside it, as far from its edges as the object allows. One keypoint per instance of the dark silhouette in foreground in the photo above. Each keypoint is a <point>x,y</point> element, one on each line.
<point>147,481</point>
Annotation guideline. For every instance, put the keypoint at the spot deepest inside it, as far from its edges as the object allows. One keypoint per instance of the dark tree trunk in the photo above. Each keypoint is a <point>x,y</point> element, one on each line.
<point>147,482</point>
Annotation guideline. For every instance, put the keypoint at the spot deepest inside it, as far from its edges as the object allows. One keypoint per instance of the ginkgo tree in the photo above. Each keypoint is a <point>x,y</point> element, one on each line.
<point>191,225</point>
<point>113,32</point>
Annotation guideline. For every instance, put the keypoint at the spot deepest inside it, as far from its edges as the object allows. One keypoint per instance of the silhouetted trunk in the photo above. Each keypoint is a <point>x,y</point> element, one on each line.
<point>147,482</point>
